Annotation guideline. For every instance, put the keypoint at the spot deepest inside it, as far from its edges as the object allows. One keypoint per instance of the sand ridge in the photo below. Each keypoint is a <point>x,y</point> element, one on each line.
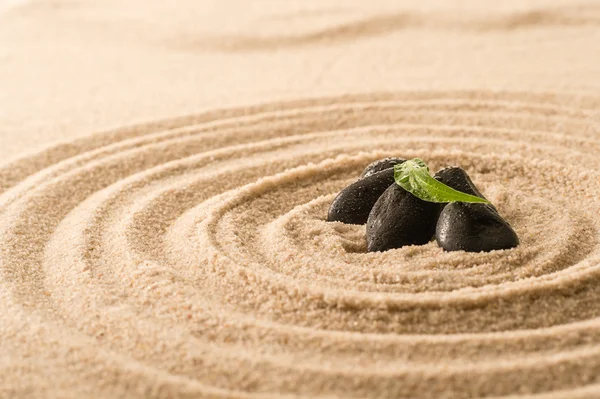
<point>190,257</point>
<point>387,23</point>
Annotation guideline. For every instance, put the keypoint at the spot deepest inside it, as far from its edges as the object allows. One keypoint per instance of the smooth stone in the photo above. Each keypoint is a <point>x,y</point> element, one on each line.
<point>473,228</point>
<point>380,165</point>
<point>458,179</point>
<point>399,218</point>
<point>353,204</point>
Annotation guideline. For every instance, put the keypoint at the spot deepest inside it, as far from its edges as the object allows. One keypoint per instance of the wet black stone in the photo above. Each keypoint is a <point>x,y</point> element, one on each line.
<point>467,226</point>
<point>353,204</point>
<point>458,179</point>
<point>473,228</point>
<point>380,165</point>
<point>399,218</point>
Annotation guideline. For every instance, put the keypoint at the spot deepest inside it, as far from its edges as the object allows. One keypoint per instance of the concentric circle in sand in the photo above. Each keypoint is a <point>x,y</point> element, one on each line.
<point>190,257</point>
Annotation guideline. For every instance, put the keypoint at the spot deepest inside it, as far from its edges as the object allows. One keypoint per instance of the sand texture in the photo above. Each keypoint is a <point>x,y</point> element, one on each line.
<point>187,256</point>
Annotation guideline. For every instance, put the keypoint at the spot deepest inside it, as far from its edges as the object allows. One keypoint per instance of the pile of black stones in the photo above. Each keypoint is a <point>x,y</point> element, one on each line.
<point>395,217</point>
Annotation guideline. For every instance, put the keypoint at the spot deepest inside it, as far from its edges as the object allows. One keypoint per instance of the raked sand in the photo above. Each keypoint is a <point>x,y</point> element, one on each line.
<point>167,171</point>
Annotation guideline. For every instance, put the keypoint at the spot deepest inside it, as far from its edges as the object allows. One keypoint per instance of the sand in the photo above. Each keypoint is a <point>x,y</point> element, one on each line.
<point>166,172</point>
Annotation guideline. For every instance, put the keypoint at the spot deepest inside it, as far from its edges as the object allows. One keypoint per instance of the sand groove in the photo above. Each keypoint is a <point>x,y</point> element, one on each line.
<point>190,257</point>
<point>388,23</point>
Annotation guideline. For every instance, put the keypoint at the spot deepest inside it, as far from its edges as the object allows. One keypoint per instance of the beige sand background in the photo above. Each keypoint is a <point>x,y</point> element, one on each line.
<point>115,281</point>
<point>69,68</point>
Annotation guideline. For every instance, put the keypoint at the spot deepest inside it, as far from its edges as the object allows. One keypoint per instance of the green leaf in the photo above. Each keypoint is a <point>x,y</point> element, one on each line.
<point>414,177</point>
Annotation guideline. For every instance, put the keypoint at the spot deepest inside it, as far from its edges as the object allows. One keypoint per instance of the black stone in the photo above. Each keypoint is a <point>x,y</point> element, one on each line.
<point>471,227</point>
<point>380,165</point>
<point>353,204</point>
<point>399,218</point>
<point>458,179</point>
